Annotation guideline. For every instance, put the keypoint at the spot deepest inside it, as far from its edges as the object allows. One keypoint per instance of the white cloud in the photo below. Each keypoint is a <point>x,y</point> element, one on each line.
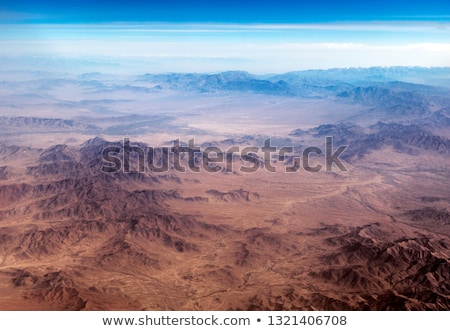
<point>190,47</point>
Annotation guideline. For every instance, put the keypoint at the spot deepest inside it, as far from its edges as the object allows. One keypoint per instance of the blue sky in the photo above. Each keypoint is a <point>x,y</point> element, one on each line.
<point>298,11</point>
<point>211,36</point>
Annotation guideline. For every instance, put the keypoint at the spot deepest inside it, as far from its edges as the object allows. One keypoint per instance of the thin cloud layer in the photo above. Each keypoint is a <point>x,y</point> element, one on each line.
<point>259,48</point>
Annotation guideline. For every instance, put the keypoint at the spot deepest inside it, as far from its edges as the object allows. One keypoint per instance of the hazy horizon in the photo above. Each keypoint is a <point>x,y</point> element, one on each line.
<point>273,37</point>
<point>203,48</point>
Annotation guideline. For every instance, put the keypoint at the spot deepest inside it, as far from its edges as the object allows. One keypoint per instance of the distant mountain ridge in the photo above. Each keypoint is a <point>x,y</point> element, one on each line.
<point>323,78</point>
<point>360,141</point>
<point>39,123</point>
